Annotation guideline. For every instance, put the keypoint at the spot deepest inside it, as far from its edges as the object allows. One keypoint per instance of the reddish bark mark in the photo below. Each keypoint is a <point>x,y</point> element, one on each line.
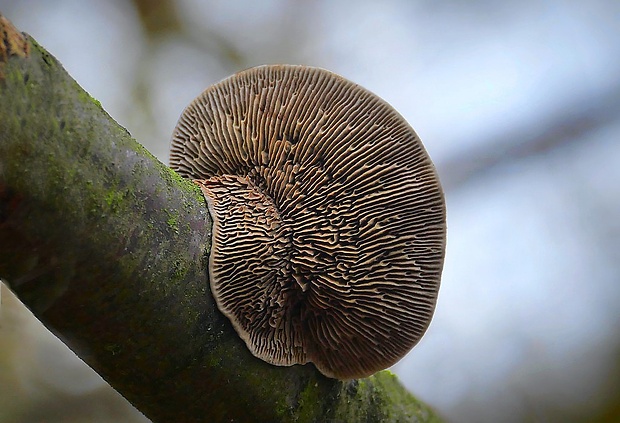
<point>12,43</point>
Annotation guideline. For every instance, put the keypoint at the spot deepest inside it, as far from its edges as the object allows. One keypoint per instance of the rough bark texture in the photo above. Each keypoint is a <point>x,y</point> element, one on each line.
<point>108,247</point>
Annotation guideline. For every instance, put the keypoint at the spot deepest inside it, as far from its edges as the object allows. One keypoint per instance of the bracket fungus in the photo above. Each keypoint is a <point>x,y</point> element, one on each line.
<point>329,218</point>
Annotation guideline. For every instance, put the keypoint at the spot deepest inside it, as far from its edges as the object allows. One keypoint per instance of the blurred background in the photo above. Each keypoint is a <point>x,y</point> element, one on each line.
<point>518,104</point>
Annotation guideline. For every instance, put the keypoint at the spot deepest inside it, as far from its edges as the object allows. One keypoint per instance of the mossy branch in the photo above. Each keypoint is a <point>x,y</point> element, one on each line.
<point>107,247</point>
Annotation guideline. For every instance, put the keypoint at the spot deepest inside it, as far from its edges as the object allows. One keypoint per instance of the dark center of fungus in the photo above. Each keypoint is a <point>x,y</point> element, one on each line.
<point>329,220</point>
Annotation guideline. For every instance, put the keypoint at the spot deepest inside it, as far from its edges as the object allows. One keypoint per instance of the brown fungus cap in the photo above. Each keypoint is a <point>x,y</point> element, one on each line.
<point>329,219</point>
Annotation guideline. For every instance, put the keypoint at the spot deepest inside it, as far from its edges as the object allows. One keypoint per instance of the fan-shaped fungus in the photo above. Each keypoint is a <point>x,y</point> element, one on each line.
<point>329,219</point>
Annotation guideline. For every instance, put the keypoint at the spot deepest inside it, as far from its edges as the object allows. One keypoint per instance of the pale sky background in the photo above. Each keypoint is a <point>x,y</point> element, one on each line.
<point>518,104</point>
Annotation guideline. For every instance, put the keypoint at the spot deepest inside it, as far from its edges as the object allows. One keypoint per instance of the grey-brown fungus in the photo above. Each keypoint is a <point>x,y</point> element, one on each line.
<point>329,219</point>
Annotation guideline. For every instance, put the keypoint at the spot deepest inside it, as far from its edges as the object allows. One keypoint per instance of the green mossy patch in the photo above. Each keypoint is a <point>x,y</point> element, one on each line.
<point>311,397</point>
<point>173,221</point>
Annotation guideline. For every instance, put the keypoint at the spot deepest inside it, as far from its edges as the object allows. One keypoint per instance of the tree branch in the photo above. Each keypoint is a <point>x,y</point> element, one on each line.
<point>108,248</point>
<point>570,124</point>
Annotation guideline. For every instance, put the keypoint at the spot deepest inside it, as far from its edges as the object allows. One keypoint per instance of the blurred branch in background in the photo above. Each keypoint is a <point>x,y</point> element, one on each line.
<point>160,19</point>
<point>568,125</point>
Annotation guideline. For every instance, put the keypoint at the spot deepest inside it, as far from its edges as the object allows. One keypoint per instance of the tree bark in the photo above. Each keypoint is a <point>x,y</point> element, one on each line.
<point>108,248</point>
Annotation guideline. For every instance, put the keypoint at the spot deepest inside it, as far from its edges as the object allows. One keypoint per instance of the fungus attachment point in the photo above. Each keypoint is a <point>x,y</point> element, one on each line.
<point>329,219</point>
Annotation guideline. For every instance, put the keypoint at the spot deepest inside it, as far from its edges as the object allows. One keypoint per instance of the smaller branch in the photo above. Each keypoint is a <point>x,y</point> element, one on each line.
<point>570,125</point>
